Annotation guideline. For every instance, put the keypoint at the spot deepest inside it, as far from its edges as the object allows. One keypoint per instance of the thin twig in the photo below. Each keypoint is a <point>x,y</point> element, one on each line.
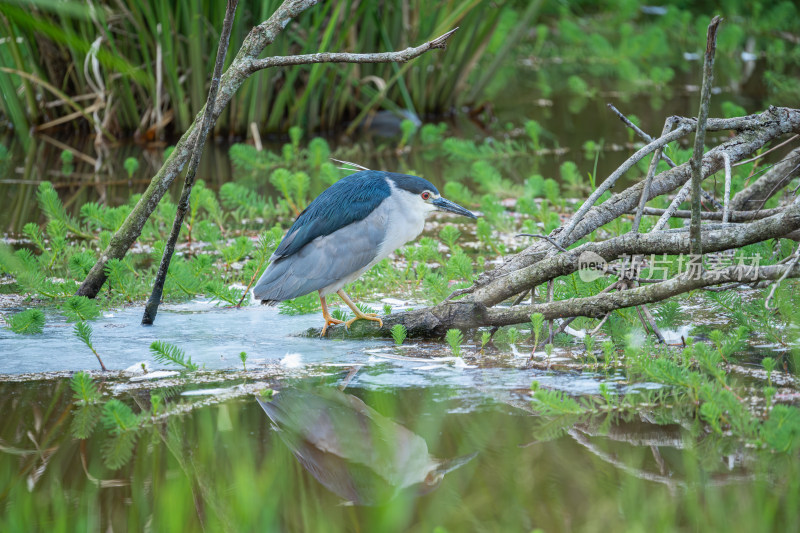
<point>652,322</point>
<point>645,137</point>
<point>762,154</point>
<point>625,120</point>
<point>600,325</point>
<point>651,171</point>
<point>726,200</point>
<point>545,237</point>
<point>795,257</point>
<point>673,206</point>
<point>151,309</point>
<point>733,216</point>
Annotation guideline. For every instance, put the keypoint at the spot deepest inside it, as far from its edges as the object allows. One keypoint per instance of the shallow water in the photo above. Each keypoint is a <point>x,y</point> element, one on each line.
<point>214,337</point>
<point>439,457</point>
<point>411,444</point>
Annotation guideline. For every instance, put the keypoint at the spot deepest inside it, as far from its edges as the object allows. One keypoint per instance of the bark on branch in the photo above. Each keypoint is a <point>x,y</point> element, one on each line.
<point>435,321</point>
<point>401,56</point>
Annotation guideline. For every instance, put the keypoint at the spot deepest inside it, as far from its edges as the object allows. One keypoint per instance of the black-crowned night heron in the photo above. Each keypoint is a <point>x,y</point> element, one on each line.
<point>354,451</point>
<point>347,229</point>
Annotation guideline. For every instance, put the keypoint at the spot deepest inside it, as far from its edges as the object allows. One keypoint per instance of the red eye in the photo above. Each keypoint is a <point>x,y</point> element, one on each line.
<point>425,195</point>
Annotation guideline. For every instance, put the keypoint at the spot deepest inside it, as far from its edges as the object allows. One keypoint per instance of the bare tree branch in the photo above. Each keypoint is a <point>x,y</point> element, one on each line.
<point>649,139</point>
<point>401,56</point>
<point>726,209</point>
<point>772,181</point>
<point>598,305</point>
<point>651,172</point>
<point>151,309</point>
<point>609,182</point>
<point>700,135</point>
<point>733,216</point>
<point>760,129</point>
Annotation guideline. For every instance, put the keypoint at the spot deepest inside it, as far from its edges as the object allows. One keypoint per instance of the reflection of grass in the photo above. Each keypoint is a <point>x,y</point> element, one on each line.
<point>652,474</point>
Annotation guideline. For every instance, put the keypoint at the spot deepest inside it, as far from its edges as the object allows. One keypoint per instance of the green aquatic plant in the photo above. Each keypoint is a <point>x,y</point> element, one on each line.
<point>588,342</point>
<point>407,129</point>
<point>769,365</point>
<point>121,423</point>
<point>459,266</point>
<point>454,338</point>
<point>84,332</point>
<point>340,314</point>
<point>131,165</point>
<point>552,402</point>
<point>52,207</point>
<point>399,333</point>
<point>537,321</point>
<point>302,305</point>
<point>80,308</point>
<point>449,235</point>
<point>513,335</point>
<point>243,359</point>
<point>224,293</point>
<point>156,402</point>
<point>437,287</point>
<point>781,431</point>
<point>84,388</point>
<point>28,322</point>
<point>164,352</point>
<point>485,338</point>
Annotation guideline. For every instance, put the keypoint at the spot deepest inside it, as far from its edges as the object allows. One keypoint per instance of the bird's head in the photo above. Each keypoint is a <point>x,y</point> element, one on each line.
<point>425,197</point>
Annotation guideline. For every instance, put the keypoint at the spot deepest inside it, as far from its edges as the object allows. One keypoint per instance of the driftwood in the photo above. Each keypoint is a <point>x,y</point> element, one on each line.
<point>246,63</point>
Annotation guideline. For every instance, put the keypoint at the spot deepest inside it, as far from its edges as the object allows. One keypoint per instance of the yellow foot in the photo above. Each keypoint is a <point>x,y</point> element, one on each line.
<point>330,321</point>
<point>364,316</point>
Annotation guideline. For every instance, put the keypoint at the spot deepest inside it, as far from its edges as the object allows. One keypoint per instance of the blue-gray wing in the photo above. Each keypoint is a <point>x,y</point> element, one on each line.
<point>347,201</point>
<point>328,261</point>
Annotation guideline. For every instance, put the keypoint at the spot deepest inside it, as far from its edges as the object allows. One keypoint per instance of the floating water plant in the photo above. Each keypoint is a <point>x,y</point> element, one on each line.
<point>84,332</point>
<point>131,165</point>
<point>28,322</point>
<point>537,321</point>
<point>84,388</point>
<point>449,235</point>
<point>485,338</point>
<point>399,333</point>
<point>164,352</point>
<point>80,308</point>
<point>454,338</point>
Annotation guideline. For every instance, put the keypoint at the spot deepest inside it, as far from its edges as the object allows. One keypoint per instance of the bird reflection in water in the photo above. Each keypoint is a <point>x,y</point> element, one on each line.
<point>354,451</point>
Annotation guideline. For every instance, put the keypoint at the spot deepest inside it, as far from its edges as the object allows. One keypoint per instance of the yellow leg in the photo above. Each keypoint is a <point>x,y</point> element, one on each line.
<point>359,314</point>
<point>328,318</point>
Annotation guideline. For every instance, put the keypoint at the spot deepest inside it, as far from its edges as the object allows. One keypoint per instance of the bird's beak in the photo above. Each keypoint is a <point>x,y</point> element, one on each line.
<point>443,204</point>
